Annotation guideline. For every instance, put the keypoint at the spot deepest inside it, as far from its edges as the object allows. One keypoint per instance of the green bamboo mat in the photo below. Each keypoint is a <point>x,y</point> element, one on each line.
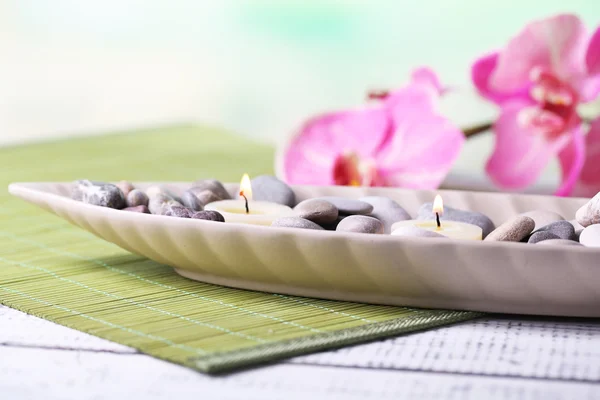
<point>66,275</point>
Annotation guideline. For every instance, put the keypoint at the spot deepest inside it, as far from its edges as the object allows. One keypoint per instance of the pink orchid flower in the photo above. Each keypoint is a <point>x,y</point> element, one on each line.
<point>399,141</point>
<point>538,80</point>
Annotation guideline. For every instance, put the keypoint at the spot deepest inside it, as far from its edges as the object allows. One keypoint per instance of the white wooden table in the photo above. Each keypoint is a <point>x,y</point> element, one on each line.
<point>491,358</point>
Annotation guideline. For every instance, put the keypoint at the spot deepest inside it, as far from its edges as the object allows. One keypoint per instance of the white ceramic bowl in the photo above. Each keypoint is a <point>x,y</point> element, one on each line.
<point>381,269</point>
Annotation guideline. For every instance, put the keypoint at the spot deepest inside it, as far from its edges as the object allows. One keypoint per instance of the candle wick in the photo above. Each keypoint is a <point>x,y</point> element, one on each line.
<point>245,198</point>
<point>437,220</point>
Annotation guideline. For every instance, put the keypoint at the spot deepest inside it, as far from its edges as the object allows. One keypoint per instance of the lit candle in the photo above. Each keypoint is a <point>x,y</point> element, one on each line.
<point>247,211</point>
<point>451,229</point>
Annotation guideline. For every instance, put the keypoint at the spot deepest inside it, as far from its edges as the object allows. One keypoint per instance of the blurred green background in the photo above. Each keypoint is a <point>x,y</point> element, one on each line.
<point>257,67</point>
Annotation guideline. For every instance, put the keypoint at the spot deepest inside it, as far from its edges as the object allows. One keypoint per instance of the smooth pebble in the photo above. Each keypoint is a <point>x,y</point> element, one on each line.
<point>205,196</point>
<point>295,222</point>
<point>413,231</point>
<point>159,203</point>
<point>453,214</point>
<point>137,198</point>
<point>513,230</point>
<point>559,242</point>
<point>125,187</point>
<point>590,236</point>
<point>589,213</point>
<point>190,200</point>
<point>98,193</point>
<point>386,210</point>
<point>178,211</point>
<point>562,229</point>
<point>212,185</point>
<point>349,206</point>
<point>541,236</point>
<point>138,209</point>
<point>317,210</point>
<point>156,190</point>
<point>209,215</point>
<point>360,224</point>
<point>269,188</point>
<point>543,217</point>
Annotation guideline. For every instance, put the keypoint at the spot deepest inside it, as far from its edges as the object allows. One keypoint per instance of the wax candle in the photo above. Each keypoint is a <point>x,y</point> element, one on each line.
<point>451,229</point>
<point>247,211</point>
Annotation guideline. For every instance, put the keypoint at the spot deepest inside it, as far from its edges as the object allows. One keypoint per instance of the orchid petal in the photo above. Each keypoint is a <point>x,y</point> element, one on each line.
<point>554,44</point>
<point>426,76</point>
<point>520,153</point>
<point>482,70</point>
<point>571,158</point>
<point>311,154</point>
<point>592,57</point>
<point>422,146</point>
<point>589,180</point>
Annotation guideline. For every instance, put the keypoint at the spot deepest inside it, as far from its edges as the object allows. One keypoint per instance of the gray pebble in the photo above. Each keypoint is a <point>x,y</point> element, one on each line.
<point>209,215</point>
<point>562,229</point>
<point>349,206</point>
<point>453,214</point>
<point>543,217</point>
<point>589,213</point>
<point>513,230</point>
<point>541,236</point>
<point>386,210</point>
<point>205,196</point>
<point>360,224</point>
<point>213,185</point>
<point>137,198</point>
<point>125,187</point>
<point>295,222</point>
<point>139,209</point>
<point>178,211</point>
<point>318,211</point>
<point>189,199</point>
<point>413,231</point>
<point>98,193</point>
<point>559,242</point>
<point>156,190</point>
<point>160,202</point>
<point>590,236</point>
<point>269,188</point>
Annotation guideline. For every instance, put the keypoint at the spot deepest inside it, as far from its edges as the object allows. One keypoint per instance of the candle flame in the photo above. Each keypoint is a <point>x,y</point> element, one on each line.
<point>438,205</point>
<point>246,187</point>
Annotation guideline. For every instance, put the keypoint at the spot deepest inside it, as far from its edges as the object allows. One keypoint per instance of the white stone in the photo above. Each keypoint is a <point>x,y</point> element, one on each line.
<point>589,213</point>
<point>590,236</point>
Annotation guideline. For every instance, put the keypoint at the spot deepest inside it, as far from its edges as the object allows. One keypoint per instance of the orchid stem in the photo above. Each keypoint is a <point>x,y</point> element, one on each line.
<point>477,129</point>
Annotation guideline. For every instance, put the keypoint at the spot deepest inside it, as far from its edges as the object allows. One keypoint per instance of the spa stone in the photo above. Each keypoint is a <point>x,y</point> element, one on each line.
<point>295,222</point>
<point>543,217</point>
<point>349,206</point>
<point>137,198</point>
<point>99,194</point>
<point>590,236</point>
<point>540,236</point>
<point>386,210</point>
<point>360,224</point>
<point>317,210</point>
<point>513,230</point>
<point>589,213</point>
<point>209,215</point>
<point>562,229</point>
<point>269,188</point>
